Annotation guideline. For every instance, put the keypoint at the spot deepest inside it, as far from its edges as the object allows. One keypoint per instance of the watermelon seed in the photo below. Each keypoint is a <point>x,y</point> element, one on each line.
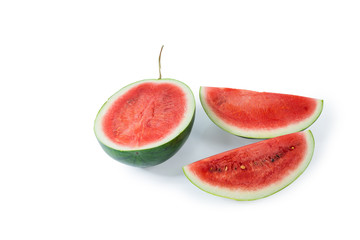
<point>242,167</point>
<point>226,168</point>
<point>292,147</point>
<point>272,160</point>
<point>130,101</point>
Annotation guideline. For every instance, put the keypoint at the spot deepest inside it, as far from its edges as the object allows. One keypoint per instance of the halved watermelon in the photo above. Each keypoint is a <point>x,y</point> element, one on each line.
<point>254,114</point>
<point>146,122</point>
<point>254,171</point>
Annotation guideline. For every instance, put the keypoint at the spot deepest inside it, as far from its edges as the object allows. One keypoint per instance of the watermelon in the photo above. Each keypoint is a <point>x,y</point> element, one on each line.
<point>254,114</point>
<point>146,122</point>
<point>256,170</point>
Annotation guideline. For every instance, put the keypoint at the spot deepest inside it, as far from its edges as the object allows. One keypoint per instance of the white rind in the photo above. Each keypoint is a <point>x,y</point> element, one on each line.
<point>262,133</point>
<point>190,111</point>
<point>242,195</point>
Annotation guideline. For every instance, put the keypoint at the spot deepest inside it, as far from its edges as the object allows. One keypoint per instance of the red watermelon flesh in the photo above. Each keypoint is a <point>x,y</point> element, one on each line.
<point>259,114</point>
<point>256,170</point>
<point>145,114</point>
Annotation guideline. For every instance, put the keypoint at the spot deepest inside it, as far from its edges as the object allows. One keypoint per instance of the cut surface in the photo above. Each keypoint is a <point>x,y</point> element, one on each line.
<point>256,170</point>
<point>258,114</point>
<point>145,114</point>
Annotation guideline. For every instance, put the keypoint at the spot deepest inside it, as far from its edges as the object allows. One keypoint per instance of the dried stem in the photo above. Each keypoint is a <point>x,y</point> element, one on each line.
<point>160,61</point>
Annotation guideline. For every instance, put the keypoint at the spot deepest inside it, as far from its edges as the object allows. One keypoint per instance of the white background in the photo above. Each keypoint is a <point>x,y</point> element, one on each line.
<point>61,60</point>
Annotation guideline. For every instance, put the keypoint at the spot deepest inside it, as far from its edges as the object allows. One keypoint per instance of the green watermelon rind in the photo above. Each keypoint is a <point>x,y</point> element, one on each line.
<point>296,175</point>
<point>147,157</point>
<point>260,134</point>
<point>151,156</point>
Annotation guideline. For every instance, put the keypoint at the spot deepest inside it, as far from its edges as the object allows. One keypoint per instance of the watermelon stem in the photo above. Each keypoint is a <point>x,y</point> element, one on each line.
<point>160,62</point>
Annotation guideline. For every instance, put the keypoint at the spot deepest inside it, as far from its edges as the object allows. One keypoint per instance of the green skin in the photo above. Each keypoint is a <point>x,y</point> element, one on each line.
<point>152,156</point>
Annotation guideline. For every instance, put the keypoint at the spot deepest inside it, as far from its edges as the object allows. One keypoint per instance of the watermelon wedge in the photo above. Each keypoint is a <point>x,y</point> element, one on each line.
<point>254,114</point>
<point>146,122</point>
<point>254,171</point>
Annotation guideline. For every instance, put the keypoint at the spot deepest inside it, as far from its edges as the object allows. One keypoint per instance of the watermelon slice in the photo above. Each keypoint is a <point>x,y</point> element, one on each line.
<point>254,114</point>
<point>254,171</point>
<point>146,122</point>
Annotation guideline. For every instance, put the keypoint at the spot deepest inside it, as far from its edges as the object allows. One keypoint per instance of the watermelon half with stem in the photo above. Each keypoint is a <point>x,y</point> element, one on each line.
<point>254,114</point>
<point>256,170</point>
<point>146,122</point>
